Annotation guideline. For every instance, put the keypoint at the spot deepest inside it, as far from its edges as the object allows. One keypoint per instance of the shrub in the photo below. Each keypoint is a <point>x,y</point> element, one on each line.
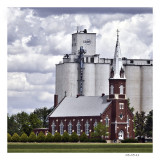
<point>130,140</point>
<point>83,138</point>
<point>15,137</point>
<point>92,135</point>
<point>74,137</point>
<point>9,138</point>
<point>41,137</point>
<point>24,138</point>
<point>32,137</point>
<point>49,137</point>
<point>57,137</point>
<point>65,137</point>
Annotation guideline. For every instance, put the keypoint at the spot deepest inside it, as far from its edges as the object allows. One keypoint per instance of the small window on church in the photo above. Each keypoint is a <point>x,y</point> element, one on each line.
<point>61,128</point>
<point>53,128</point>
<point>148,62</point>
<point>95,123</point>
<point>87,128</point>
<point>107,121</point>
<point>121,105</point>
<point>78,128</point>
<point>121,89</point>
<point>70,128</point>
<point>112,89</point>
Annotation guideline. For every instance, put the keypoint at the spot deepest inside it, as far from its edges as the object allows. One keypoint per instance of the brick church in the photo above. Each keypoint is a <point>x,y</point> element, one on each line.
<point>82,113</point>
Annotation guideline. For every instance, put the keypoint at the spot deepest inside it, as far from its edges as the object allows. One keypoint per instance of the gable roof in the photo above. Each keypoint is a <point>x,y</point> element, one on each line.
<point>81,106</point>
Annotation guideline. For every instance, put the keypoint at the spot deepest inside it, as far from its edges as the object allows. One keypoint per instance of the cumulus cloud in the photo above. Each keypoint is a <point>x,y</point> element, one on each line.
<point>39,37</point>
<point>32,63</point>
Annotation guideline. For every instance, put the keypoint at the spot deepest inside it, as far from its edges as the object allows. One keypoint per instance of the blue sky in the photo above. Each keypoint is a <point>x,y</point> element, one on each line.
<point>39,37</point>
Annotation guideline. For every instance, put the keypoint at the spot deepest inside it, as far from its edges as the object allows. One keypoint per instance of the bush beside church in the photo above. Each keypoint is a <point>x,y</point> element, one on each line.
<point>50,138</point>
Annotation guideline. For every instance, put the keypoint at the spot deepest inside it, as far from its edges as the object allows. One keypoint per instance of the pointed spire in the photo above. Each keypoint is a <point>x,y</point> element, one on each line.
<point>118,35</point>
<point>117,61</point>
<point>117,49</point>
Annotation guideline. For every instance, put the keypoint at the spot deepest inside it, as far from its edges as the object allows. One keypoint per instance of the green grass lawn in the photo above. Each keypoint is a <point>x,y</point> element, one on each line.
<point>79,148</point>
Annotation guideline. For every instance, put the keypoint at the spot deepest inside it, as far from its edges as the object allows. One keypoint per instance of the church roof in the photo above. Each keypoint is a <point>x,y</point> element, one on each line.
<point>81,106</point>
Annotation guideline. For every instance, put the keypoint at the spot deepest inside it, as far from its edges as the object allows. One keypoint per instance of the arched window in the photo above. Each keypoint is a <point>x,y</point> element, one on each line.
<point>95,124</point>
<point>70,128</point>
<point>53,128</point>
<point>61,128</point>
<point>78,128</point>
<point>121,89</point>
<point>87,128</point>
<point>107,121</point>
<point>112,89</point>
<point>121,135</point>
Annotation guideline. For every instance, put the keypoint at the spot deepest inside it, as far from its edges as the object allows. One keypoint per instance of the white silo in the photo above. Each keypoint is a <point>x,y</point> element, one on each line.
<point>66,80</point>
<point>102,73</point>
<point>133,86</point>
<point>89,79</point>
<point>147,88</point>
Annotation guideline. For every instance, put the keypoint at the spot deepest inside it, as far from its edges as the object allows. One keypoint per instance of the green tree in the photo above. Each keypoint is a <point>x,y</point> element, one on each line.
<point>35,122</point>
<point>139,124</point>
<point>32,137</point>
<point>41,137</point>
<point>74,137</point>
<point>49,137</point>
<point>100,130</point>
<point>42,114</point>
<point>130,108</point>
<point>9,138</point>
<point>15,137</point>
<point>57,137</point>
<point>65,137</point>
<point>12,125</point>
<point>22,120</point>
<point>24,137</point>
<point>149,124</point>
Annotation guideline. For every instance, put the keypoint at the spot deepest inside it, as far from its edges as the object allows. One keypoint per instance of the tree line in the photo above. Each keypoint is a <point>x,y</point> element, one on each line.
<point>25,123</point>
<point>100,131</point>
<point>143,125</point>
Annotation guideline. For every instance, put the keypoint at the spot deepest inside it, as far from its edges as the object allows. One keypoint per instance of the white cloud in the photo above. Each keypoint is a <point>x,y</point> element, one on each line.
<point>24,82</point>
<point>40,78</point>
<point>36,44</point>
<point>32,63</point>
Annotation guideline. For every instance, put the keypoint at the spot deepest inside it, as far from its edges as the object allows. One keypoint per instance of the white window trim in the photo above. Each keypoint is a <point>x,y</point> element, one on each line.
<point>121,105</point>
<point>61,128</point>
<point>107,119</point>
<point>53,128</point>
<point>87,128</point>
<point>78,128</point>
<point>112,89</point>
<point>70,128</point>
<point>121,89</point>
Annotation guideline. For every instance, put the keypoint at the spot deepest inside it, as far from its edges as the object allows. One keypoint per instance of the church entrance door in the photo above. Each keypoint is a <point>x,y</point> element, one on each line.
<point>121,135</point>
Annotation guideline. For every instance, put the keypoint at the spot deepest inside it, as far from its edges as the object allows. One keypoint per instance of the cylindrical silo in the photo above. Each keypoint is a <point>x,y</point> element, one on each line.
<point>66,80</point>
<point>147,88</point>
<point>89,79</point>
<point>102,73</point>
<point>133,86</point>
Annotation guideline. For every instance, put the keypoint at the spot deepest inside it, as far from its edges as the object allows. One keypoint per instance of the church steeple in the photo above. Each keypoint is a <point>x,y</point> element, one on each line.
<point>117,61</point>
<point>117,80</point>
